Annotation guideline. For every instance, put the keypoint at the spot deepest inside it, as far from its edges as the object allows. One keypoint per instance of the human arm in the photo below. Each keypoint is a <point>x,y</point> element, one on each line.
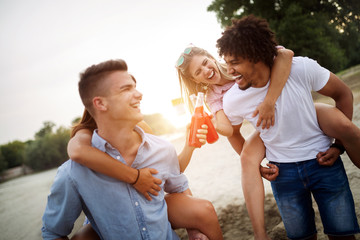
<point>236,139</point>
<point>341,93</point>
<point>222,124</point>
<point>81,151</point>
<point>280,72</point>
<point>63,206</point>
<point>186,154</point>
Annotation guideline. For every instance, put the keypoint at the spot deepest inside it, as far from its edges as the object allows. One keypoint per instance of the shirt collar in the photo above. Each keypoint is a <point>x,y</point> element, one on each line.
<point>102,144</point>
<point>220,89</point>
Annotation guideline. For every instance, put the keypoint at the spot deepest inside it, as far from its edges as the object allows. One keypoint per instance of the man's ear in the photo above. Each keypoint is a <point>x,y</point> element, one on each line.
<point>99,103</point>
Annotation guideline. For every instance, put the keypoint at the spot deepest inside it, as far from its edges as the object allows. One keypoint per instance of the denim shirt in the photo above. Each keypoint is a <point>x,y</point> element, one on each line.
<point>114,208</point>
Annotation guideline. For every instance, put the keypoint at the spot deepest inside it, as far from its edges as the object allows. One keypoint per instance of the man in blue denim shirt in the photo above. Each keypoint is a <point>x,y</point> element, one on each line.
<point>115,209</point>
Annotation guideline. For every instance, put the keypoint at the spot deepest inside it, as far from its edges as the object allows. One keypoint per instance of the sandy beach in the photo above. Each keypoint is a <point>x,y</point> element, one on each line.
<point>214,174</point>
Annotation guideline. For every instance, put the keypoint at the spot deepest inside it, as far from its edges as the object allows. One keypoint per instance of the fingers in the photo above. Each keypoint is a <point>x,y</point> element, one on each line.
<point>258,123</point>
<point>265,123</point>
<point>202,133</point>
<point>147,196</point>
<point>157,181</point>
<point>154,192</point>
<point>204,127</point>
<point>153,171</point>
<point>328,158</point>
<point>256,112</point>
<point>265,170</point>
<point>274,168</point>
<point>147,184</point>
<point>270,173</point>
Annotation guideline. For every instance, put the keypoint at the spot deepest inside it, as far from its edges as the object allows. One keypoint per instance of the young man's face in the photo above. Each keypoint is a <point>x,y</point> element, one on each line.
<point>248,74</point>
<point>123,99</point>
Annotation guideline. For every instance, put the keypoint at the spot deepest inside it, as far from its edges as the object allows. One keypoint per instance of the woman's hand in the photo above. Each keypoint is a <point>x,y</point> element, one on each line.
<point>201,134</point>
<point>148,184</point>
<point>266,113</point>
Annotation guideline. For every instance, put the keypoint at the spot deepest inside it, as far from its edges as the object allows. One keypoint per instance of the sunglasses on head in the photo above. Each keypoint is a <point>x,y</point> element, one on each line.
<point>181,59</point>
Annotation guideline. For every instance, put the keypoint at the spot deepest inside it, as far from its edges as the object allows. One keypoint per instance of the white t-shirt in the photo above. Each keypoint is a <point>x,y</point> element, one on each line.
<point>296,135</point>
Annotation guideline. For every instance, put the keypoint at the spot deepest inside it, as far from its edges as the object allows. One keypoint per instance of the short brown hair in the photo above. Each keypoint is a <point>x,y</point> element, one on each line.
<point>250,38</point>
<point>92,77</point>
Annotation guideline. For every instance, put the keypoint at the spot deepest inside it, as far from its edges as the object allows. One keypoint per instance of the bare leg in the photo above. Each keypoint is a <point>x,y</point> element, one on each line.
<point>252,154</point>
<point>192,213</point>
<point>335,124</point>
<point>86,233</point>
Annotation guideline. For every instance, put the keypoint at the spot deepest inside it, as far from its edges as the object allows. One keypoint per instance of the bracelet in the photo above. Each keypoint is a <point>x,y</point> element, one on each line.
<point>338,146</point>
<point>137,178</point>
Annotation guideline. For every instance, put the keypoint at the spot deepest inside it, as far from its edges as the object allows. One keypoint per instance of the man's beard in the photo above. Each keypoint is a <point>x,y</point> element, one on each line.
<point>245,87</point>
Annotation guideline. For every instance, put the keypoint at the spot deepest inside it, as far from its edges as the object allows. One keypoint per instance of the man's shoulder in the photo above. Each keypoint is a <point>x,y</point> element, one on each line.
<point>303,61</point>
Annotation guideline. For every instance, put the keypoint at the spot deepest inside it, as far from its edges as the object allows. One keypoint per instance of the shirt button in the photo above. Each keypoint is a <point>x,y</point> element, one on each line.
<point>136,204</point>
<point>118,157</point>
<point>144,229</point>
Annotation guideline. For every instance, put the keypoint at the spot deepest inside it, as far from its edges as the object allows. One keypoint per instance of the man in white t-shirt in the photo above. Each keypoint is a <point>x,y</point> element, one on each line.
<point>248,47</point>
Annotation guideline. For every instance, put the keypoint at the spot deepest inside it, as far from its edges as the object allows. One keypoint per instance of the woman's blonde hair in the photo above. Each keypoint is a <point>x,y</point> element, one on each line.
<point>187,84</point>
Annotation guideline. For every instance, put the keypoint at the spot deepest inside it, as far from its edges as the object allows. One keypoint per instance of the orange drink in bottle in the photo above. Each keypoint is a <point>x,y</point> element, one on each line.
<point>199,118</point>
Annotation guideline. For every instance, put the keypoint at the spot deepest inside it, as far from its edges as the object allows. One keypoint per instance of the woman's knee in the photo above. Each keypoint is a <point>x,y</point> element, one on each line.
<point>205,211</point>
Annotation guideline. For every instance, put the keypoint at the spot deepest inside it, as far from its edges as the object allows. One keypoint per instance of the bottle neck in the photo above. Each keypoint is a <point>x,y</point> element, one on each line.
<point>199,109</point>
<point>199,100</point>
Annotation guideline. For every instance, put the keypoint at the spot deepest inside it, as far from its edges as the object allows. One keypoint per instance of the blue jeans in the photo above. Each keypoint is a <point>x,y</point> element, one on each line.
<point>292,190</point>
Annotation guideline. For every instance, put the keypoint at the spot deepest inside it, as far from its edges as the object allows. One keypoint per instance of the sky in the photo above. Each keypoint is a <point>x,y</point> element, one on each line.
<point>44,45</point>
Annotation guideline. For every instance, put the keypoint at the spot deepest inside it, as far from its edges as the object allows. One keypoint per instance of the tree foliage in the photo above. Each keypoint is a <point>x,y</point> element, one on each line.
<point>48,150</point>
<point>13,153</point>
<point>3,163</point>
<point>325,30</point>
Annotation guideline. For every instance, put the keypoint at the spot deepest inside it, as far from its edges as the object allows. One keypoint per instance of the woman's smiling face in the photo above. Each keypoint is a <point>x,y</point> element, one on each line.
<point>204,70</point>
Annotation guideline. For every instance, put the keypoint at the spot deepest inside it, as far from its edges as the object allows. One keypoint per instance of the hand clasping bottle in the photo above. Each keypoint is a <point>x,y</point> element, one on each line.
<point>199,118</point>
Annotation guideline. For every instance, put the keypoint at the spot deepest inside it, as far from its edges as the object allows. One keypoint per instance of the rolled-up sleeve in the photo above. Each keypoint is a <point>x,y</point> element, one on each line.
<point>63,206</point>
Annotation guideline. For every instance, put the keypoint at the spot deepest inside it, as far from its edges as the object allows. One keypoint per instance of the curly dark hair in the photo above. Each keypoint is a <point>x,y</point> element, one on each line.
<point>250,38</point>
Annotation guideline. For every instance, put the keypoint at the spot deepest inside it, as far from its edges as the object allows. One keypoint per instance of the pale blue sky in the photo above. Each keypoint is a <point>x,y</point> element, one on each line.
<point>45,44</point>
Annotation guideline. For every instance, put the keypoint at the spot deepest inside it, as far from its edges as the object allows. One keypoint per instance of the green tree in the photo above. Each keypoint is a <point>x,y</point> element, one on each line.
<point>3,163</point>
<point>13,153</point>
<point>75,121</point>
<point>47,128</point>
<point>48,150</point>
<point>325,30</point>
